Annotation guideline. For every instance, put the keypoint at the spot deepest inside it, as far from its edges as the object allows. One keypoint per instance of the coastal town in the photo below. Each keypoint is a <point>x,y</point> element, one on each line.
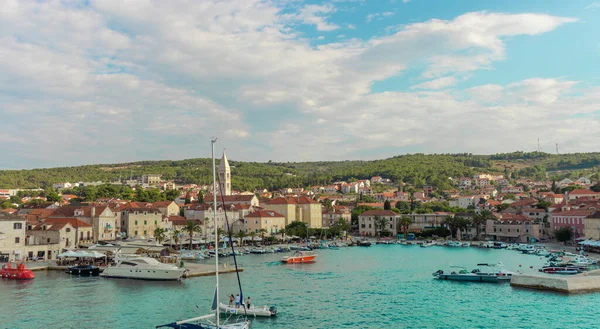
<point>487,207</point>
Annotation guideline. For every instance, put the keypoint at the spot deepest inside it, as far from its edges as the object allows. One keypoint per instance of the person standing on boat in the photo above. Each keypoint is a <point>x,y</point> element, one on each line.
<point>231,299</point>
<point>238,302</point>
<point>248,303</point>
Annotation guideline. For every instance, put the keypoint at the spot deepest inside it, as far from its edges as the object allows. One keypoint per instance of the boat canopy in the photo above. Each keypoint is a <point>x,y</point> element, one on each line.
<point>82,254</point>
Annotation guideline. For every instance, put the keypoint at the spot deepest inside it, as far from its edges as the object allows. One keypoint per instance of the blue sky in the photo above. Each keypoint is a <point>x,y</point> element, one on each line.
<point>105,81</point>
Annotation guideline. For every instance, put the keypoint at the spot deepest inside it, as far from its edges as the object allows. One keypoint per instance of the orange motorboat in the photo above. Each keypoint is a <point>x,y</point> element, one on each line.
<point>300,257</point>
<point>18,273</point>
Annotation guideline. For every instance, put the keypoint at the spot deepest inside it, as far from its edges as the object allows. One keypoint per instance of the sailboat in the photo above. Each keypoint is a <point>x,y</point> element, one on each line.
<point>212,320</point>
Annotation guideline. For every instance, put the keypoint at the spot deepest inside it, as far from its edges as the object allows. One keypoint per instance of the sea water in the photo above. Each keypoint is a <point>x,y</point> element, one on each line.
<point>383,286</point>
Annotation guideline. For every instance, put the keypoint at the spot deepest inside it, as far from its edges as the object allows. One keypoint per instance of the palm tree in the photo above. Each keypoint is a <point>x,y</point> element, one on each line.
<point>175,235</point>
<point>450,222</point>
<point>405,222</point>
<point>478,220</point>
<point>486,215</point>
<point>252,234</point>
<point>381,224</point>
<point>282,231</point>
<point>262,233</point>
<point>241,235</point>
<point>192,227</point>
<point>159,234</point>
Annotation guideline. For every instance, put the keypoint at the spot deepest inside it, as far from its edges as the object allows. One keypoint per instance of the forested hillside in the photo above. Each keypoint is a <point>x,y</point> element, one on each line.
<point>414,169</point>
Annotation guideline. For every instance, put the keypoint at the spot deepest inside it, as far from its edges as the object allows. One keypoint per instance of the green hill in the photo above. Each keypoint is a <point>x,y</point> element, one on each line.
<point>413,169</point>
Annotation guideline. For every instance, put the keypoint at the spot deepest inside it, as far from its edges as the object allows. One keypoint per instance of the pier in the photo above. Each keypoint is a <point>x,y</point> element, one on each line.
<point>195,270</point>
<point>580,283</point>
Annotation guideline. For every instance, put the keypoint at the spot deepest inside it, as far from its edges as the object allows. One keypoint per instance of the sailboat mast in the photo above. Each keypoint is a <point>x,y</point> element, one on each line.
<point>216,235</point>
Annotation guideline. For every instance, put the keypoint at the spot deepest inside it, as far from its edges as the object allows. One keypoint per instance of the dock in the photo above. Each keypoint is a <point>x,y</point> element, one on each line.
<point>571,284</point>
<point>195,269</point>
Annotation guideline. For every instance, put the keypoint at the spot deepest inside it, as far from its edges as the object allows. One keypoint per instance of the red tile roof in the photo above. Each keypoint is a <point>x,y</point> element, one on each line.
<point>159,204</point>
<point>264,214</point>
<point>572,213</point>
<point>73,221</point>
<point>282,200</point>
<point>583,192</point>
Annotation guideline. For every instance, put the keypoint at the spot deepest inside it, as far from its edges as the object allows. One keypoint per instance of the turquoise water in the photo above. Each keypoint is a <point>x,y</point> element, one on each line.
<point>384,286</point>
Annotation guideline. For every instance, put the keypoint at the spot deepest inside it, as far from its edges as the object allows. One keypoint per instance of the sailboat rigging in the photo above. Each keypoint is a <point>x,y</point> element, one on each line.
<point>203,322</point>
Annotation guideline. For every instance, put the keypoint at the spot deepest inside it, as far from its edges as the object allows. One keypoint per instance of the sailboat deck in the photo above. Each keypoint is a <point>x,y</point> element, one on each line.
<point>195,269</point>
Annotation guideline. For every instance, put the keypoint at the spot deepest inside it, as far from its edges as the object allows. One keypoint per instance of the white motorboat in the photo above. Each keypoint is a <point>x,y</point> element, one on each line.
<point>476,275</point>
<point>143,268</point>
<point>262,311</point>
<point>427,244</point>
<point>465,244</point>
<point>190,255</point>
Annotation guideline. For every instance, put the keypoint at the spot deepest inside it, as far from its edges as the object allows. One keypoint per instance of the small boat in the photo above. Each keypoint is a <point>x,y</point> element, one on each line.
<point>476,275</point>
<point>453,244</point>
<point>565,270</point>
<point>499,245</point>
<point>364,243</point>
<point>84,270</point>
<point>427,244</point>
<point>264,311</point>
<point>300,257</point>
<point>143,268</point>
<point>18,273</point>
<point>301,248</point>
<point>465,244</point>
<point>258,251</point>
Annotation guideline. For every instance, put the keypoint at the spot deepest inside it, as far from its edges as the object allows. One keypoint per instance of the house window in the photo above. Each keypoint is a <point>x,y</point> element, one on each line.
<point>155,223</point>
<point>17,226</point>
<point>68,230</point>
<point>17,240</point>
<point>136,233</point>
<point>517,230</point>
<point>144,233</point>
<point>527,230</point>
<point>145,222</point>
<point>136,222</point>
<point>145,213</point>
<point>369,225</point>
<point>48,240</point>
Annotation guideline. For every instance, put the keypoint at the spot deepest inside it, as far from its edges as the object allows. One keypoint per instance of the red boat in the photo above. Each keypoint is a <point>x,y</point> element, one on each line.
<point>19,273</point>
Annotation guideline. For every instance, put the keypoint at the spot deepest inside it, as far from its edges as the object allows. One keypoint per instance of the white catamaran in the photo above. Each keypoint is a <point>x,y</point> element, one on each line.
<point>212,320</point>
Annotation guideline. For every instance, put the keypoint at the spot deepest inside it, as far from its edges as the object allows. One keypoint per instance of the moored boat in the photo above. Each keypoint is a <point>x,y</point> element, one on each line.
<point>144,268</point>
<point>300,257</point>
<point>364,243</point>
<point>84,270</point>
<point>476,275</point>
<point>18,273</point>
<point>260,311</point>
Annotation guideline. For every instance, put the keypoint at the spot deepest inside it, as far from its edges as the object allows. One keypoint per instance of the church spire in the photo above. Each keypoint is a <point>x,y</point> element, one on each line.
<point>224,175</point>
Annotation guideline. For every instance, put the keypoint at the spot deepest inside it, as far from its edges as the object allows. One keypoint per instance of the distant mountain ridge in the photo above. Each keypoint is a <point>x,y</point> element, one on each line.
<point>412,169</point>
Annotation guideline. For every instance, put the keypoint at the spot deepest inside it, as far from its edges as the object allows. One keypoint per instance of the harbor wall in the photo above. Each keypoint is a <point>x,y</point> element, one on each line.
<point>581,283</point>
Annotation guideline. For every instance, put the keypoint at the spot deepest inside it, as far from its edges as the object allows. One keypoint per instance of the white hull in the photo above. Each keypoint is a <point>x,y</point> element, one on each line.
<point>143,269</point>
<point>253,311</point>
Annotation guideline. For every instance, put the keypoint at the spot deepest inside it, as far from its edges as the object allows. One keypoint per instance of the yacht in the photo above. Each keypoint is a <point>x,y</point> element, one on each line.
<point>143,268</point>
<point>477,275</point>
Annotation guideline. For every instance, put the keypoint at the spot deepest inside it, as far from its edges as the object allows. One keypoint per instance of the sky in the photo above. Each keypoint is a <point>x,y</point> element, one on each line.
<point>85,82</point>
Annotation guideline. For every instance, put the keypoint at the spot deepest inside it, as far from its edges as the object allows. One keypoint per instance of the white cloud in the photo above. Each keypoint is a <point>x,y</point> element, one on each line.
<point>593,5</point>
<point>436,84</point>
<point>317,15</point>
<point>176,72</point>
<point>378,16</point>
<point>351,26</point>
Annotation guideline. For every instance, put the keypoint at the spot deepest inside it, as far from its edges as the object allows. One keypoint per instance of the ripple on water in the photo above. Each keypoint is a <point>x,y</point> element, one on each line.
<point>377,287</point>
